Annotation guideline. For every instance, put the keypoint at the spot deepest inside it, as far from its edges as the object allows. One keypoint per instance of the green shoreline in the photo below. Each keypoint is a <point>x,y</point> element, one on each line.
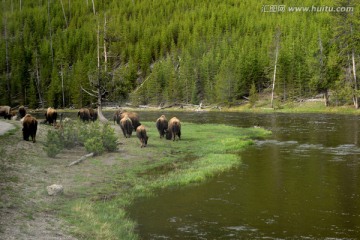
<point>209,151</point>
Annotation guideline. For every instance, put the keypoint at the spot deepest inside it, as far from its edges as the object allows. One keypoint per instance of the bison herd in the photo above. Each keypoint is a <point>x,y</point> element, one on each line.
<point>128,122</point>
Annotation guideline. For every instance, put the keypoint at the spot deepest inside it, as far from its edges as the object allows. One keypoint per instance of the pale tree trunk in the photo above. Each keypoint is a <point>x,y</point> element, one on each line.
<point>37,81</point>
<point>8,87</point>
<point>356,98</point>
<point>50,32</point>
<point>62,86</point>
<point>99,110</point>
<point>93,4</point>
<point>63,10</point>
<point>275,66</point>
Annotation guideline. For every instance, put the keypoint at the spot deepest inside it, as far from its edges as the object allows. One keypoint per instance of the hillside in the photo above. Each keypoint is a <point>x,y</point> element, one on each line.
<point>164,51</point>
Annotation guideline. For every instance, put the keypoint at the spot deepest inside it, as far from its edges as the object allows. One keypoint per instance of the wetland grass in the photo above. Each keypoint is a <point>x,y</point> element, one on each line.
<point>204,151</point>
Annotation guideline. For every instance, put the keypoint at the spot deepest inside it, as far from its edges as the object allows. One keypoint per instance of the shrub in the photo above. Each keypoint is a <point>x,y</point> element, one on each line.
<point>95,137</point>
<point>94,145</point>
<point>54,143</point>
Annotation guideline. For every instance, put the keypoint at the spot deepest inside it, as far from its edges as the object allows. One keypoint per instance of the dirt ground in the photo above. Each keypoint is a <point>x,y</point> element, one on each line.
<point>26,210</point>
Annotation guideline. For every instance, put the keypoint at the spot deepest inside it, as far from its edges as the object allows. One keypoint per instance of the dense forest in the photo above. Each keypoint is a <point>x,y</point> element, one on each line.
<point>61,52</point>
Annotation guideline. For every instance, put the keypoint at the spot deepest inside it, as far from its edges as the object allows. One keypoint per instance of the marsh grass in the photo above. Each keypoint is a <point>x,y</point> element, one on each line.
<point>203,152</point>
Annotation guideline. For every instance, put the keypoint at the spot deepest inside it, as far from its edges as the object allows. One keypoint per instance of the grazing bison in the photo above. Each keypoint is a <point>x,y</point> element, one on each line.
<point>133,116</point>
<point>174,128</point>
<point>22,112</point>
<point>141,134</point>
<point>84,114</point>
<point>126,126</point>
<point>51,116</point>
<point>29,127</point>
<point>93,114</point>
<point>162,125</point>
<point>5,112</point>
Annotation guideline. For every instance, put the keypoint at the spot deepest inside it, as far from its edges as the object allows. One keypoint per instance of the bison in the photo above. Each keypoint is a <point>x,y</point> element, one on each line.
<point>51,116</point>
<point>141,134</point>
<point>93,114</point>
<point>22,112</point>
<point>174,128</point>
<point>162,125</point>
<point>126,126</point>
<point>117,117</point>
<point>5,111</point>
<point>133,116</point>
<point>84,114</point>
<point>29,127</point>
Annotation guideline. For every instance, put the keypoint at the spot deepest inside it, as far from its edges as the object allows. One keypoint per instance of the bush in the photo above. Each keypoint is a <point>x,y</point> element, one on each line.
<point>94,145</point>
<point>54,143</point>
<point>94,136</point>
<point>109,138</point>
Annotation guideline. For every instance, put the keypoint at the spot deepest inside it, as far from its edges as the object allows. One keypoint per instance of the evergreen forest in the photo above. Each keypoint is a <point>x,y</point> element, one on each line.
<point>62,53</point>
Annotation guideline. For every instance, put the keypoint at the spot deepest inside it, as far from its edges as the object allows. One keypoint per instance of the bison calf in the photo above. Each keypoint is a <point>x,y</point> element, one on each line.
<point>141,134</point>
<point>29,127</point>
<point>174,129</point>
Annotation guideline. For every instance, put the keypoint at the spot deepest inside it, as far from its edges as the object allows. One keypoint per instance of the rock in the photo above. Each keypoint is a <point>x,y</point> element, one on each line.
<point>55,189</point>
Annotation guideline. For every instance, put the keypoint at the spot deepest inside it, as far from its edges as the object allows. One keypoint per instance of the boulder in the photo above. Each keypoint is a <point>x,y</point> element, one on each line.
<point>55,189</point>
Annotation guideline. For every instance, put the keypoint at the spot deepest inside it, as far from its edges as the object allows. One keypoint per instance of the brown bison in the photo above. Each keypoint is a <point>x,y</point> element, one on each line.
<point>5,111</point>
<point>84,114</point>
<point>162,125</point>
<point>93,114</point>
<point>22,112</point>
<point>51,116</point>
<point>174,128</point>
<point>29,127</point>
<point>141,134</point>
<point>126,126</point>
<point>117,116</point>
<point>133,116</point>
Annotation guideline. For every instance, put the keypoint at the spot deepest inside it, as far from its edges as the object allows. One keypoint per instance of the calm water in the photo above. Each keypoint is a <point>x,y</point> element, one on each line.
<point>301,183</point>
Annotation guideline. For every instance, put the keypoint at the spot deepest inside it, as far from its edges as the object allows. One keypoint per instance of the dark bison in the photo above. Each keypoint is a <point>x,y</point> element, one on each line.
<point>22,112</point>
<point>5,111</point>
<point>126,126</point>
<point>51,116</point>
<point>93,114</point>
<point>133,116</point>
<point>162,125</point>
<point>84,114</point>
<point>174,128</point>
<point>29,127</point>
<point>141,134</point>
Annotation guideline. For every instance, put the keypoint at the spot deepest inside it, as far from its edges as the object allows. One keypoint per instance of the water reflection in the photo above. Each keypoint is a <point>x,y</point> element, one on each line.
<point>301,183</point>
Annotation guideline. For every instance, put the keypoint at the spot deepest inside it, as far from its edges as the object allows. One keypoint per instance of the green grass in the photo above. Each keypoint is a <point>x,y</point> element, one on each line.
<point>203,152</point>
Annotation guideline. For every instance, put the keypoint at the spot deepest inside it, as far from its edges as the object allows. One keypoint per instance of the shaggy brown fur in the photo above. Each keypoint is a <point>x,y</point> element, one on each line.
<point>5,111</point>
<point>29,127</point>
<point>126,126</point>
<point>174,129</point>
<point>133,116</point>
<point>84,114</point>
<point>162,125</point>
<point>51,116</point>
<point>141,134</point>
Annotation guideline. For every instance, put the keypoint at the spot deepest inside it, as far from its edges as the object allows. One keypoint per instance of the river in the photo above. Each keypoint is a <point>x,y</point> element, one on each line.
<point>300,183</point>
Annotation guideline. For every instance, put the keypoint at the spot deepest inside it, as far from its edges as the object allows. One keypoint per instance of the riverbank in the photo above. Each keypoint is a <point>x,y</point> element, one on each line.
<point>98,191</point>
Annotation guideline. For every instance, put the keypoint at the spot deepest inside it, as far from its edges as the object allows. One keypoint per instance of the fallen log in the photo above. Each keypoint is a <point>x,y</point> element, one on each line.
<point>81,159</point>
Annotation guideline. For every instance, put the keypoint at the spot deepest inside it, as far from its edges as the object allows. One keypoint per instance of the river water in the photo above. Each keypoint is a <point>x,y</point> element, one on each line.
<point>300,183</point>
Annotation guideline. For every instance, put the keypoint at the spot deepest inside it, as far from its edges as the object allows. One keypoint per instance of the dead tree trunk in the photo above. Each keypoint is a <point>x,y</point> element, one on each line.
<point>99,110</point>
<point>277,46</point>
